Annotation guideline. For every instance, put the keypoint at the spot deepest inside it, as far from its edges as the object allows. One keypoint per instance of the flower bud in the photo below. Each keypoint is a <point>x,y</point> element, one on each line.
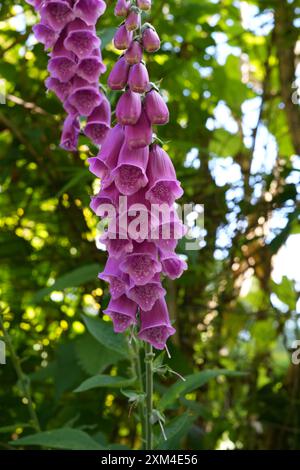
<point>134,53</point>
<point>119,75</point>
<point>122,38</point>
<point>151,41</point>
<point>122,8</point>
<point>138,78</point>
<point>144,4</point>
<point>156,109</point>
<point>129,108</point>
<point>133,20</point>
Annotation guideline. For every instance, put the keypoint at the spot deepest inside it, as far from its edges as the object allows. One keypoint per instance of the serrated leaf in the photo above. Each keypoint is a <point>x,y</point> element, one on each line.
<point>103,381</point>
<point>64,438</point>
<point>92,356</point>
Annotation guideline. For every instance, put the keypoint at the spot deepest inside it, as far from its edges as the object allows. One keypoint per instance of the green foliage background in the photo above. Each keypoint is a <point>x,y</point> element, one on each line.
<point>229,312</point>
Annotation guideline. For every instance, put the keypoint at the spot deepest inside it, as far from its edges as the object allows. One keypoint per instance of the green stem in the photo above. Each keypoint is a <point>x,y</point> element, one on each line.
<point>138,372</point>
<point>23,378</point>
<point>149,395</point>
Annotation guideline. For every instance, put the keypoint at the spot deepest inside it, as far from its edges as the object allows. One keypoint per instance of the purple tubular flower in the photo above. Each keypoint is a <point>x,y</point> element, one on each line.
<point>151,41</point>
<point>123,312</point>
<point>163,185</point>
<point>113,275</point>
<point>133,20</point>
<point>89,10</point>
<point>70,133</point>
<point>85,100</point>
<point>134,53</point>
<point>172,266</point>
<point>106,196</point>
<point>129,108</point>
<point>90,68</point>
<point>122,38</point>
<point>142,264</point>
<point>62,90</point>
<point>146,296</point>
<point>138,80</point>
<point>45,35</point>
<point>107,159</point>
<point>98,123</point>
<point>144,4</point>
<point>56,14</point>
<point>139,135</point>
<point>82,43</point>
<point>62,68</point>
<point>156,109</point>
<point>169,231</point>
<point>35,3</point>
<point>117,247</point>
<point>155,325</point>
<point>119,75</point>
<point>130,174</point>
<point>122,8</point>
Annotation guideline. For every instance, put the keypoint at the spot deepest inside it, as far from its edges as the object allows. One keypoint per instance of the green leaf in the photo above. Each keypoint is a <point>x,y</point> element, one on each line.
<point>192,382</point>
<point>73,278</point>
<point>104,334</point>
<point>92,356</point>
<point>100,381</point>
<point>64,438</point>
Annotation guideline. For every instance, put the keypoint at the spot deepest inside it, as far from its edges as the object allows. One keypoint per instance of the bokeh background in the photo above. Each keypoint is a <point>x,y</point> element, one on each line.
<point>230,72</point>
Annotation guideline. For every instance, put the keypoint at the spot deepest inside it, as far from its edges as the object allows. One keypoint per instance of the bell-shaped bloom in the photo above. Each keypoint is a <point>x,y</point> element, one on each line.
<point>138,80</point>
<point>119,75</point>
<point>56,14</point>
<point>89,10</point>
<point>107,159</point>
<point>142,264</point>
<point>163,185</point>
<point>90,68</point>
<point>139,217</point>
<point>62,90</point>
<point>172,265</point>
<point>117,242</point>
<point>169,231</point>
<point>133,20</point>
<point>82,43</point>
<point>134,53</point>
<point>130,174</point>
<point>98,123</point>
<point>140,134</point>
<point>106,196</point>
<point>156,108</point>
<point>129,108</point>
<point>156,327</point>
<point>151,41</point>
<point>146,296</point>
<point>122,8</point>
<point>122,38</point>
<point>123,312</point>
<point>70,134</point>
<point>85,100</point>
<point>113,275</point>
<point>45,35</point>
<point>144,4</point>
<point>78,25</point>
<point>62,68</point>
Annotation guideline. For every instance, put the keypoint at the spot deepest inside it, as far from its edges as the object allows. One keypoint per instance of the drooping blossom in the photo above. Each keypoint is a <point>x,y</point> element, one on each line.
<point>68,29</point>
<point>131,164</point>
